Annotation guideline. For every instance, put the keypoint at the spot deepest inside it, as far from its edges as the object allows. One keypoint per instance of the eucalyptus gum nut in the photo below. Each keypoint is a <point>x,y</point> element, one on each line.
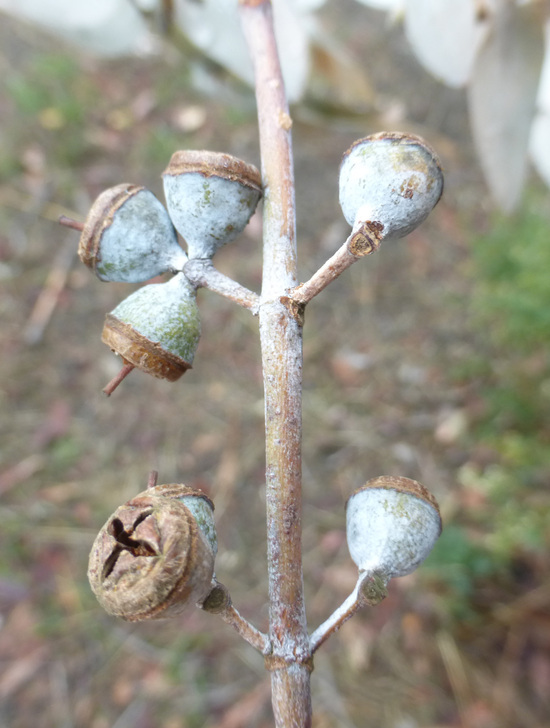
<point>128,236</point>
<point>392,525</point>
<point>157,328</point>
<point>389,183</point>
<point>198,503</point>
<point>150,560</point>
<point>210,197</point>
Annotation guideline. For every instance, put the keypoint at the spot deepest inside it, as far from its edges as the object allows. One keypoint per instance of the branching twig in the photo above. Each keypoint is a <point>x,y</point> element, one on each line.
<point>253,636</point>
<point>219,602</point>
<point>201,273</point>
<point>356,247</point>
<point>369,590</point>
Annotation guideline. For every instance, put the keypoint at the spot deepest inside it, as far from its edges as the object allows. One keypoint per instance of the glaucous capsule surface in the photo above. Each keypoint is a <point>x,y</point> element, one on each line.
<point>128,236</point>
<point>157,328</point>
<point>197,502</point>
<point>210,197</point>
<point>389,182</point>
<point>392,524</point>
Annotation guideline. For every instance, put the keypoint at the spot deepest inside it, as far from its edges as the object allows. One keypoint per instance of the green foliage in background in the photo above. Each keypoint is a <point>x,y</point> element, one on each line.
<point>511,309</point>
<point>457,564</point>
<point>49,84</point>
<point>512,292</point>
<point>510,371</point>
<point>50,100</point>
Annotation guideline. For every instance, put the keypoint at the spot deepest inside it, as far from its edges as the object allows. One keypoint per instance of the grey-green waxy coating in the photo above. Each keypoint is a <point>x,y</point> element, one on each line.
<point>208,211</point>
<point>167,314</point>
<point>140,243</point>
<point>390,532</point>
<point>202,512</point>
<point>391,179</point>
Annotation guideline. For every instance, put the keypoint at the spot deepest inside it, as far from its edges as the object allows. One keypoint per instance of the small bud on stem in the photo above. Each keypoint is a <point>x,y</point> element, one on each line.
<point>152,480</point>
<point>70,223</point>
<point>120,377</point>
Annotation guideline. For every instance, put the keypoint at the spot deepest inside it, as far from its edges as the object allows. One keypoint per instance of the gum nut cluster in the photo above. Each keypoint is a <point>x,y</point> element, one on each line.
<point>389,183</point>
<point>129,236</point>
<point>392,524</point>
<point>155,555</point>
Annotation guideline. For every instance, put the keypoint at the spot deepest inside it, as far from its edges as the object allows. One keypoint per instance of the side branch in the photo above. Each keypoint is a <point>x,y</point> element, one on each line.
<point>369,590</point>
<point>360,243</point>
<point>202,274</point>
<point>218,602</point>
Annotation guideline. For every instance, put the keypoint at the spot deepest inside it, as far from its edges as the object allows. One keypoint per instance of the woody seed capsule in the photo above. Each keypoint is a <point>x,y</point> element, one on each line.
<point>128,236</point>
<point>392,525</point>
<point>197,502</point>
<point>389,183</point>
<point>157,328</point>
<point>151,559</point>
<point>210,197</point>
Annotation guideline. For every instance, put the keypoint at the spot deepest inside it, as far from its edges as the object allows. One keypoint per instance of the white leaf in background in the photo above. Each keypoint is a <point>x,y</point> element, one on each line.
<point>393,5</point>
<point>543,95</point>
<point>337,80</point>
<point>308,6</point>
<point>105,27</point>
<point>293,42</point>
<point>445,36</point>
<point>147,6</point>
<point>214,27</point>
<point>539,144</point>
<point>502,94</point>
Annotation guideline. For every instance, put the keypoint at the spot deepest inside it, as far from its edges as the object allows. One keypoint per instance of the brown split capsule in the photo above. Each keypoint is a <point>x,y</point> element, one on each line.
<point>152,558</point>
<point>198,503</point>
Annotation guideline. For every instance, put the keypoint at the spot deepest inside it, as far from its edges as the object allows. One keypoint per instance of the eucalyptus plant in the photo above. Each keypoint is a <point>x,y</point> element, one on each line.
<point>156,554</point>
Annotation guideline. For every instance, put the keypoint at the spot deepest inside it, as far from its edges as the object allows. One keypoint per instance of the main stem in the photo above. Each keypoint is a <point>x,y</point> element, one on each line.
<point>281,341</point>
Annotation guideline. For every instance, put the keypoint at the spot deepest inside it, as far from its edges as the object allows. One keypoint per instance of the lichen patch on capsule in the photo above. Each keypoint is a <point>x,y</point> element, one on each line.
<point>208,213</point>
<point>210,198</point>
<point>207,194</point>
<point>409,187</point>
<point>392,178</point>
<point>397,507</point>
<point>166,314</point>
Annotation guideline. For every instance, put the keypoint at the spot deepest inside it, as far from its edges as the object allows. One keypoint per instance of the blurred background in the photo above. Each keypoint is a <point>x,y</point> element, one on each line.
<point>428,360</point>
